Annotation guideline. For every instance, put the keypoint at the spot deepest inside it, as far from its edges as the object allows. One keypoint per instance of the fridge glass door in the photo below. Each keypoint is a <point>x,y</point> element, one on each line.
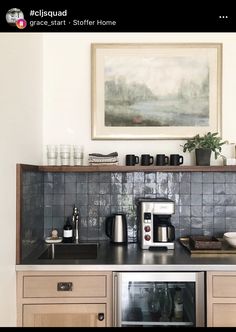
<point>144,300</point>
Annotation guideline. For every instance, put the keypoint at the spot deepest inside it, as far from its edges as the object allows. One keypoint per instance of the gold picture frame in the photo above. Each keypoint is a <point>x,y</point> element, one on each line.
<point>155,91</point>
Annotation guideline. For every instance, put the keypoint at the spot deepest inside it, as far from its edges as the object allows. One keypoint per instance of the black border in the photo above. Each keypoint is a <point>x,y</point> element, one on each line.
<point>148,17</point>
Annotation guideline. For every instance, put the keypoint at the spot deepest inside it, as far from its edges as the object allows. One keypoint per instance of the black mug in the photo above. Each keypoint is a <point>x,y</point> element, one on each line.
<point>146,160</point>
<point>131,160</point>
<point>176,160</point>
<point>161,159</point>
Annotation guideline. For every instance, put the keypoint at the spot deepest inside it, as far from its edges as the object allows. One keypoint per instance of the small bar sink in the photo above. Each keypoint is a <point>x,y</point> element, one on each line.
<point>70,251</point>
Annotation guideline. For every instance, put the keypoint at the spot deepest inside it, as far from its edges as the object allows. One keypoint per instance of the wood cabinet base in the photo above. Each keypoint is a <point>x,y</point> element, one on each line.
<point>221,299</point>
<point>41,303</point>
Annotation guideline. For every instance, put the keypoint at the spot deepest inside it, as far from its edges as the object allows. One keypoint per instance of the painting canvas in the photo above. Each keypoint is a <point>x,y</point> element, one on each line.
<point>155,91</point>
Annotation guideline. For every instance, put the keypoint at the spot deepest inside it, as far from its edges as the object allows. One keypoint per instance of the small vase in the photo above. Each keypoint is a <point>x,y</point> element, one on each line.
<point>203,157</point>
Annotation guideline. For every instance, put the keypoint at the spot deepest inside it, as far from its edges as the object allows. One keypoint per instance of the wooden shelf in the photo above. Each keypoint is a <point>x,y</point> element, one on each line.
<point>115,168</point>
<point>137,168</point>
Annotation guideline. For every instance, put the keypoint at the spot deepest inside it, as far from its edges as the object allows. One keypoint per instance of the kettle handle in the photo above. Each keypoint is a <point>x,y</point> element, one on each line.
<point>108,226</point>
<point>171,233</point>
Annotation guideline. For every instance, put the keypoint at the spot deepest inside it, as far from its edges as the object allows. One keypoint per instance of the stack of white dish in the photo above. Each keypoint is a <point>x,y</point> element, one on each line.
<point>230,238</point>
<point>229,161</point>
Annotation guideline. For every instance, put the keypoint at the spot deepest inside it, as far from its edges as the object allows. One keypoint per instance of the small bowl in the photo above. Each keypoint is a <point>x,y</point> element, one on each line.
<point>230,238</point>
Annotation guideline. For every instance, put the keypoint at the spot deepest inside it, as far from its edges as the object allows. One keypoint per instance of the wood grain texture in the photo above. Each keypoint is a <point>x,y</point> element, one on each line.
<point>137,168</point>
<point>225,248</point>
<point>64,315</point>
<point>221,299</point>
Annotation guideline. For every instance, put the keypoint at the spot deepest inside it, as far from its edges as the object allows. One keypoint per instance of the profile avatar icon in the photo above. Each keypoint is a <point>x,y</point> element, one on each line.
<point>13,15</point>
<point>21,23</point>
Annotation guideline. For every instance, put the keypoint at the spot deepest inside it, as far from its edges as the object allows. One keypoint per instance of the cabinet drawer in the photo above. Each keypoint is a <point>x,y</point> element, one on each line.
<point>64,286</point>
<point>224,286</point>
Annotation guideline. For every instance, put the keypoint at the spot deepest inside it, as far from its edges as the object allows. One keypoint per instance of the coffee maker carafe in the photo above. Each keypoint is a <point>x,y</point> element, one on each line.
<point>163,230</point>
<point>154,222</point>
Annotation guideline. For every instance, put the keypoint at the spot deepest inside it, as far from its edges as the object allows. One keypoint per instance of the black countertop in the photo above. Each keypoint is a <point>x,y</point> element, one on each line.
<point>131,257</point>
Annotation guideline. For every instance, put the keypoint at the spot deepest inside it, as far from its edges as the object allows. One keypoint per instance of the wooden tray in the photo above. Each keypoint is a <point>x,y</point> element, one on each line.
<point>204,242</point>
<point>225,249</point>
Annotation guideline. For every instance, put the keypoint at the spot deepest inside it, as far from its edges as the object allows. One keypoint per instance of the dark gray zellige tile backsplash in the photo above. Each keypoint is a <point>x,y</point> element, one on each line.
<point>32,211</point>
<point>205,202</point>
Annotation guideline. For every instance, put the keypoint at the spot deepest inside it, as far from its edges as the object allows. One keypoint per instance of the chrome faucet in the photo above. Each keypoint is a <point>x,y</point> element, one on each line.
<point>75,220</point>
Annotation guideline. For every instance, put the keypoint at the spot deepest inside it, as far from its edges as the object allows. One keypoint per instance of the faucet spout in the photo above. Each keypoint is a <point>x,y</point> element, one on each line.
<point>76,230</point>
<point>75,218</point>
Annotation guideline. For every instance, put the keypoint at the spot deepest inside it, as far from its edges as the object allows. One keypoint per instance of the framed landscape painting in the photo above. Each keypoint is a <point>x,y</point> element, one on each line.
<point>156,91</point>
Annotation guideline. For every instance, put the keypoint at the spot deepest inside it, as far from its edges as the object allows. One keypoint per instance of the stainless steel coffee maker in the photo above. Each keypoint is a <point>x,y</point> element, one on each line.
<point>154,223</point>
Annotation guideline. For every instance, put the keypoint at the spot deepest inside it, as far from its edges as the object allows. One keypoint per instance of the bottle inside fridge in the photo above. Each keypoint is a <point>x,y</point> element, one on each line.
<point>178,304</point>
<point>165,303</point>
<point>154,302</point>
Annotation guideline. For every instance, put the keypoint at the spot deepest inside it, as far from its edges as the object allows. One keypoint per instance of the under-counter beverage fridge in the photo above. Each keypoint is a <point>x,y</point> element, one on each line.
<point>159,299</point>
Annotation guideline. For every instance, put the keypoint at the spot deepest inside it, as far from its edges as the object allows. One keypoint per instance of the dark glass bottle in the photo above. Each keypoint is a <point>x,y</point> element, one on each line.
<point>178,304</point>
<point>165,304</point>
<point>68,232</point>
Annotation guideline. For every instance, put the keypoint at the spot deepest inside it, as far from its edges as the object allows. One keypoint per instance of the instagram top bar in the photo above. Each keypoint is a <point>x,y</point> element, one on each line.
<point>67,19</point>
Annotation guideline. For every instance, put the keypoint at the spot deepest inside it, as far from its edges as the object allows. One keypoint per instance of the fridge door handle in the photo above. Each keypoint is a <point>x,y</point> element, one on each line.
<point>115,300</point>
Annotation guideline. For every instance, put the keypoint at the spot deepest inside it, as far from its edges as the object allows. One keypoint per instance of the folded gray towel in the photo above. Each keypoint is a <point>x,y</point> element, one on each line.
<point>113,154</point>
<point>104,163</point>
<point>102,159</point>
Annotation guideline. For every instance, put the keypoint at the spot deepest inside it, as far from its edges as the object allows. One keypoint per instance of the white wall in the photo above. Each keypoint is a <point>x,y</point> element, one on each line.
<point>20,142</point>
<point>67,90</point>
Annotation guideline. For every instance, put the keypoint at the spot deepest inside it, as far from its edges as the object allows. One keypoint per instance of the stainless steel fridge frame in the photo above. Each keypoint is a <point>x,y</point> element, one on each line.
<point>196,277</point>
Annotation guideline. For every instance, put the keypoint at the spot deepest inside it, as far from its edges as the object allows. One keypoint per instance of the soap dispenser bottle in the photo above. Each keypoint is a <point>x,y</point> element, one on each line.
<point>68,232</point>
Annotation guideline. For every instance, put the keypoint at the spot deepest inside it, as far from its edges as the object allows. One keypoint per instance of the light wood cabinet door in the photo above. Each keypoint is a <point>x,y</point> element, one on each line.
<point>64,315</point>
<point>224,315</point>
<point>221,299</point>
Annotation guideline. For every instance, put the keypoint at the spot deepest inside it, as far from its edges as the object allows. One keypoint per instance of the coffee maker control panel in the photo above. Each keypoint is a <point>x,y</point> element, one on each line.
<point>147,217</point>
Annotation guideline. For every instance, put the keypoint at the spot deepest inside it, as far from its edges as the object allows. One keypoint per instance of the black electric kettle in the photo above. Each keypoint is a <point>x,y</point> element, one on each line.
<point>116,228</point>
